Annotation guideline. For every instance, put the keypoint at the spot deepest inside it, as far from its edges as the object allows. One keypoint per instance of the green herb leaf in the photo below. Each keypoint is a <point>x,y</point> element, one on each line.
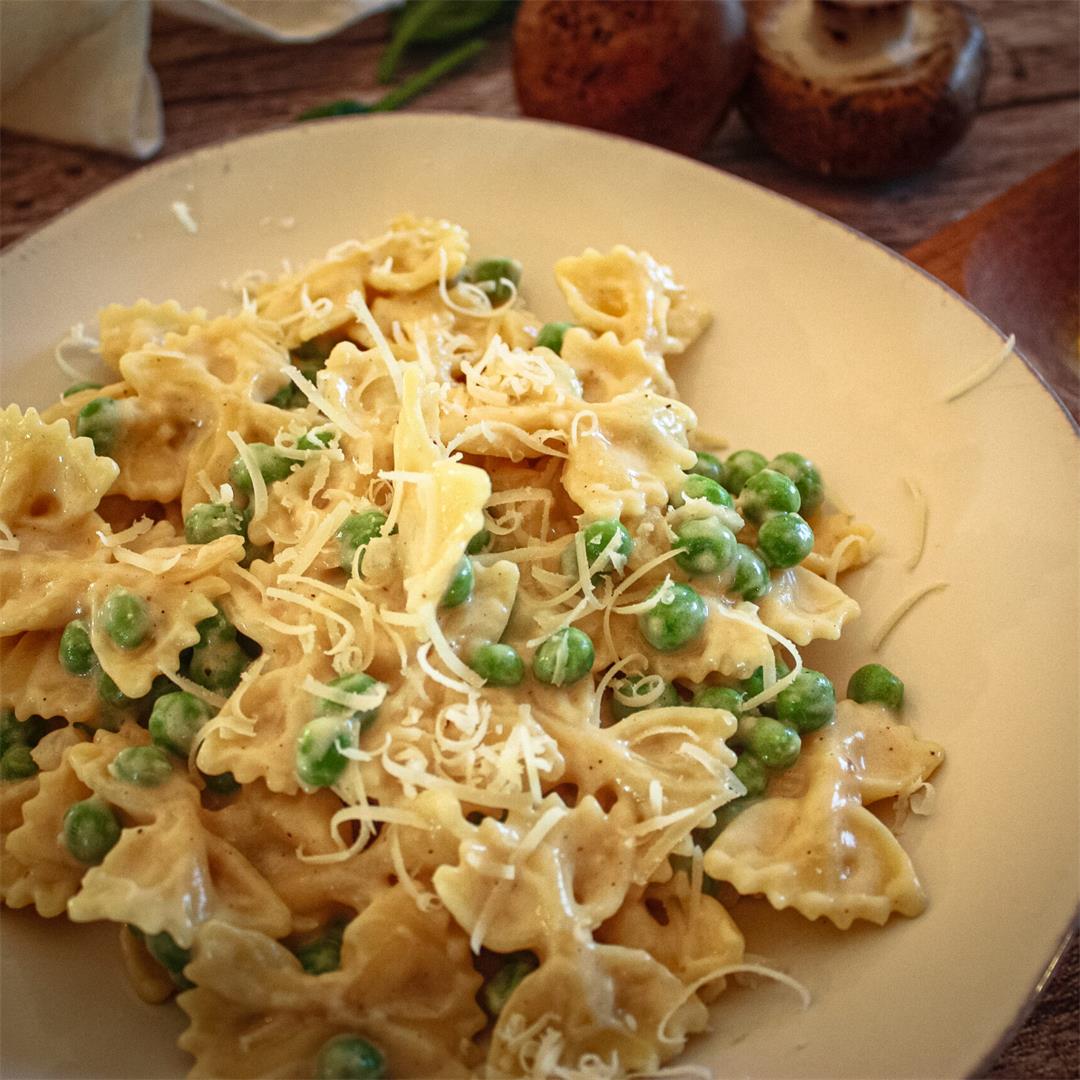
<point>344,107</point>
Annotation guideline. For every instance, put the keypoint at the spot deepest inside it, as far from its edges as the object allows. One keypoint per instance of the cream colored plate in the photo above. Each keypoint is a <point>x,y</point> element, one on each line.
<point>823,342</point>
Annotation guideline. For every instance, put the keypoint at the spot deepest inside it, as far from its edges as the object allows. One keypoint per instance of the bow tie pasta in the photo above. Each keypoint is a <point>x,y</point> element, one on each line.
<point>412,684</point>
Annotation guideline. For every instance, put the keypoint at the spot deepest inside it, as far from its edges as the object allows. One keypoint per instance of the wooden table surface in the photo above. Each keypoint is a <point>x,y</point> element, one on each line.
<point>216,87</point>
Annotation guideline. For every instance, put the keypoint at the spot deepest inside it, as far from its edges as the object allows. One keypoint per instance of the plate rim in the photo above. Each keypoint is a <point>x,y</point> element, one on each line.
<point>69,218</point>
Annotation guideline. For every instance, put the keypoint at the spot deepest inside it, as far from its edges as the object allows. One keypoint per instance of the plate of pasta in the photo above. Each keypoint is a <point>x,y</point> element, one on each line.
<point>488,599</point>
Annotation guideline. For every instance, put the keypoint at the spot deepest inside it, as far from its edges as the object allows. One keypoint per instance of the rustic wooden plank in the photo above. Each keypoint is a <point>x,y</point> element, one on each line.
<point>1047,1046</point>
<point>1003,147</point>
<point>1034,50</point>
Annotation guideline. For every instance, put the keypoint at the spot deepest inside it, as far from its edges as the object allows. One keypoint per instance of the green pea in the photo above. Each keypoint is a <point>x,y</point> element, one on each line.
<point>756,683</point>
<point>676,620</point>
<point>311,353</point>
<point>210,521</point>
<point>765,493</point>
<point>91,830</point>
<point>740,466</point>
<point>15,732</point>
<point>493,275</point>
<point>355,533</point>
<point>785,540</point>
<point>76,654</point>
<point>598,535</point>
<point>221,783</point>
<point>215,627</point>
<point>710,466</point>
<point>551,336</point>
<point>271,463</point>
<point>719,697</point>
<point>356,682</point>
<point>752,580</point>
<point>461,584</point>
<point>752,773</point>
<point>706,546</point>
<point>774,743</point>
<point>638,686</point>
<point>319,758</point>
<point>478,543</point>
<point>287,397</point>
<point>348,1057</point>
<point>79,387</point>
<point>99,421</point>
<point>315,440</point>
<point>873,682</point>
<point>17,763</point>
<point>164,949</point>
<point>143,766</point>
<point>175,721</point>
<point>564,658</point>
<point>727,813</point>
<point>110,693</point>
<point>804,473</point>
<point>126,619</point>
<point>808,703</point>
<point>498,988</point>
<point>218,660</point>
<point>499,665</point>
<point>696,486</point>
<point>322,953</point>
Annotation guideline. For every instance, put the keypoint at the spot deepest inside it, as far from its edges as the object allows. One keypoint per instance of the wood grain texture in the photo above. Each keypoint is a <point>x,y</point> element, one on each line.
<point>216,86</point>
<point>1018,260</point>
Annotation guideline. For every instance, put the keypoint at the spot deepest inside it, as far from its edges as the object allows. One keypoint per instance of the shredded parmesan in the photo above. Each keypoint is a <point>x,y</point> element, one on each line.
<point>902,609</point>
<point>358,306</point>
<point>980,375</point>
<point>258,484</point>
<point>332,412</point>
<point>195,689</point>
<point>921,514</point>
<point>183,215</point>
<point>8,540</point>
<point>75,338</point>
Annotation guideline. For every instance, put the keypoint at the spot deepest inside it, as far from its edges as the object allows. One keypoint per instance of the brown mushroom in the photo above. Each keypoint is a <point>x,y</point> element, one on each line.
<point>863,89</point>
<point>660,70</point>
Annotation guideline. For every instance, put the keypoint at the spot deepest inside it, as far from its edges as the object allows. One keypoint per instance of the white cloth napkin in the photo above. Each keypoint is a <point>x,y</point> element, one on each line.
<point>77,71</point>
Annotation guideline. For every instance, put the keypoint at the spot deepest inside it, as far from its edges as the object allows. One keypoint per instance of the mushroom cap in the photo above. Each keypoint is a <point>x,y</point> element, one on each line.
<point>658,70</point>
<point>863,91</point>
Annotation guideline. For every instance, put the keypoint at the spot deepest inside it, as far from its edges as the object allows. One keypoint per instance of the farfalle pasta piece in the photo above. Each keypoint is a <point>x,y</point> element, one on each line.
<point>576,874</point>
<point>630,294</point>
<point>166,872</point>
<point>610,472</point>
<point>669,769</point>
<point>608,368</point>
<point>35,684</point>
<point>412,255</point>
<point>47,875</point>
<point>805,607</point>
<point>126,328</point>
<point>254,734</point>
<point>819,850</point>
<point>890,759</point>
<point>441,510</point>
<point>691,934</point>
<point>592,1005</point>
<point>840,543</point>
<point>272,831</point>
<point>49,479</point>
<point>17,882</point>
<point>405,982</point>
